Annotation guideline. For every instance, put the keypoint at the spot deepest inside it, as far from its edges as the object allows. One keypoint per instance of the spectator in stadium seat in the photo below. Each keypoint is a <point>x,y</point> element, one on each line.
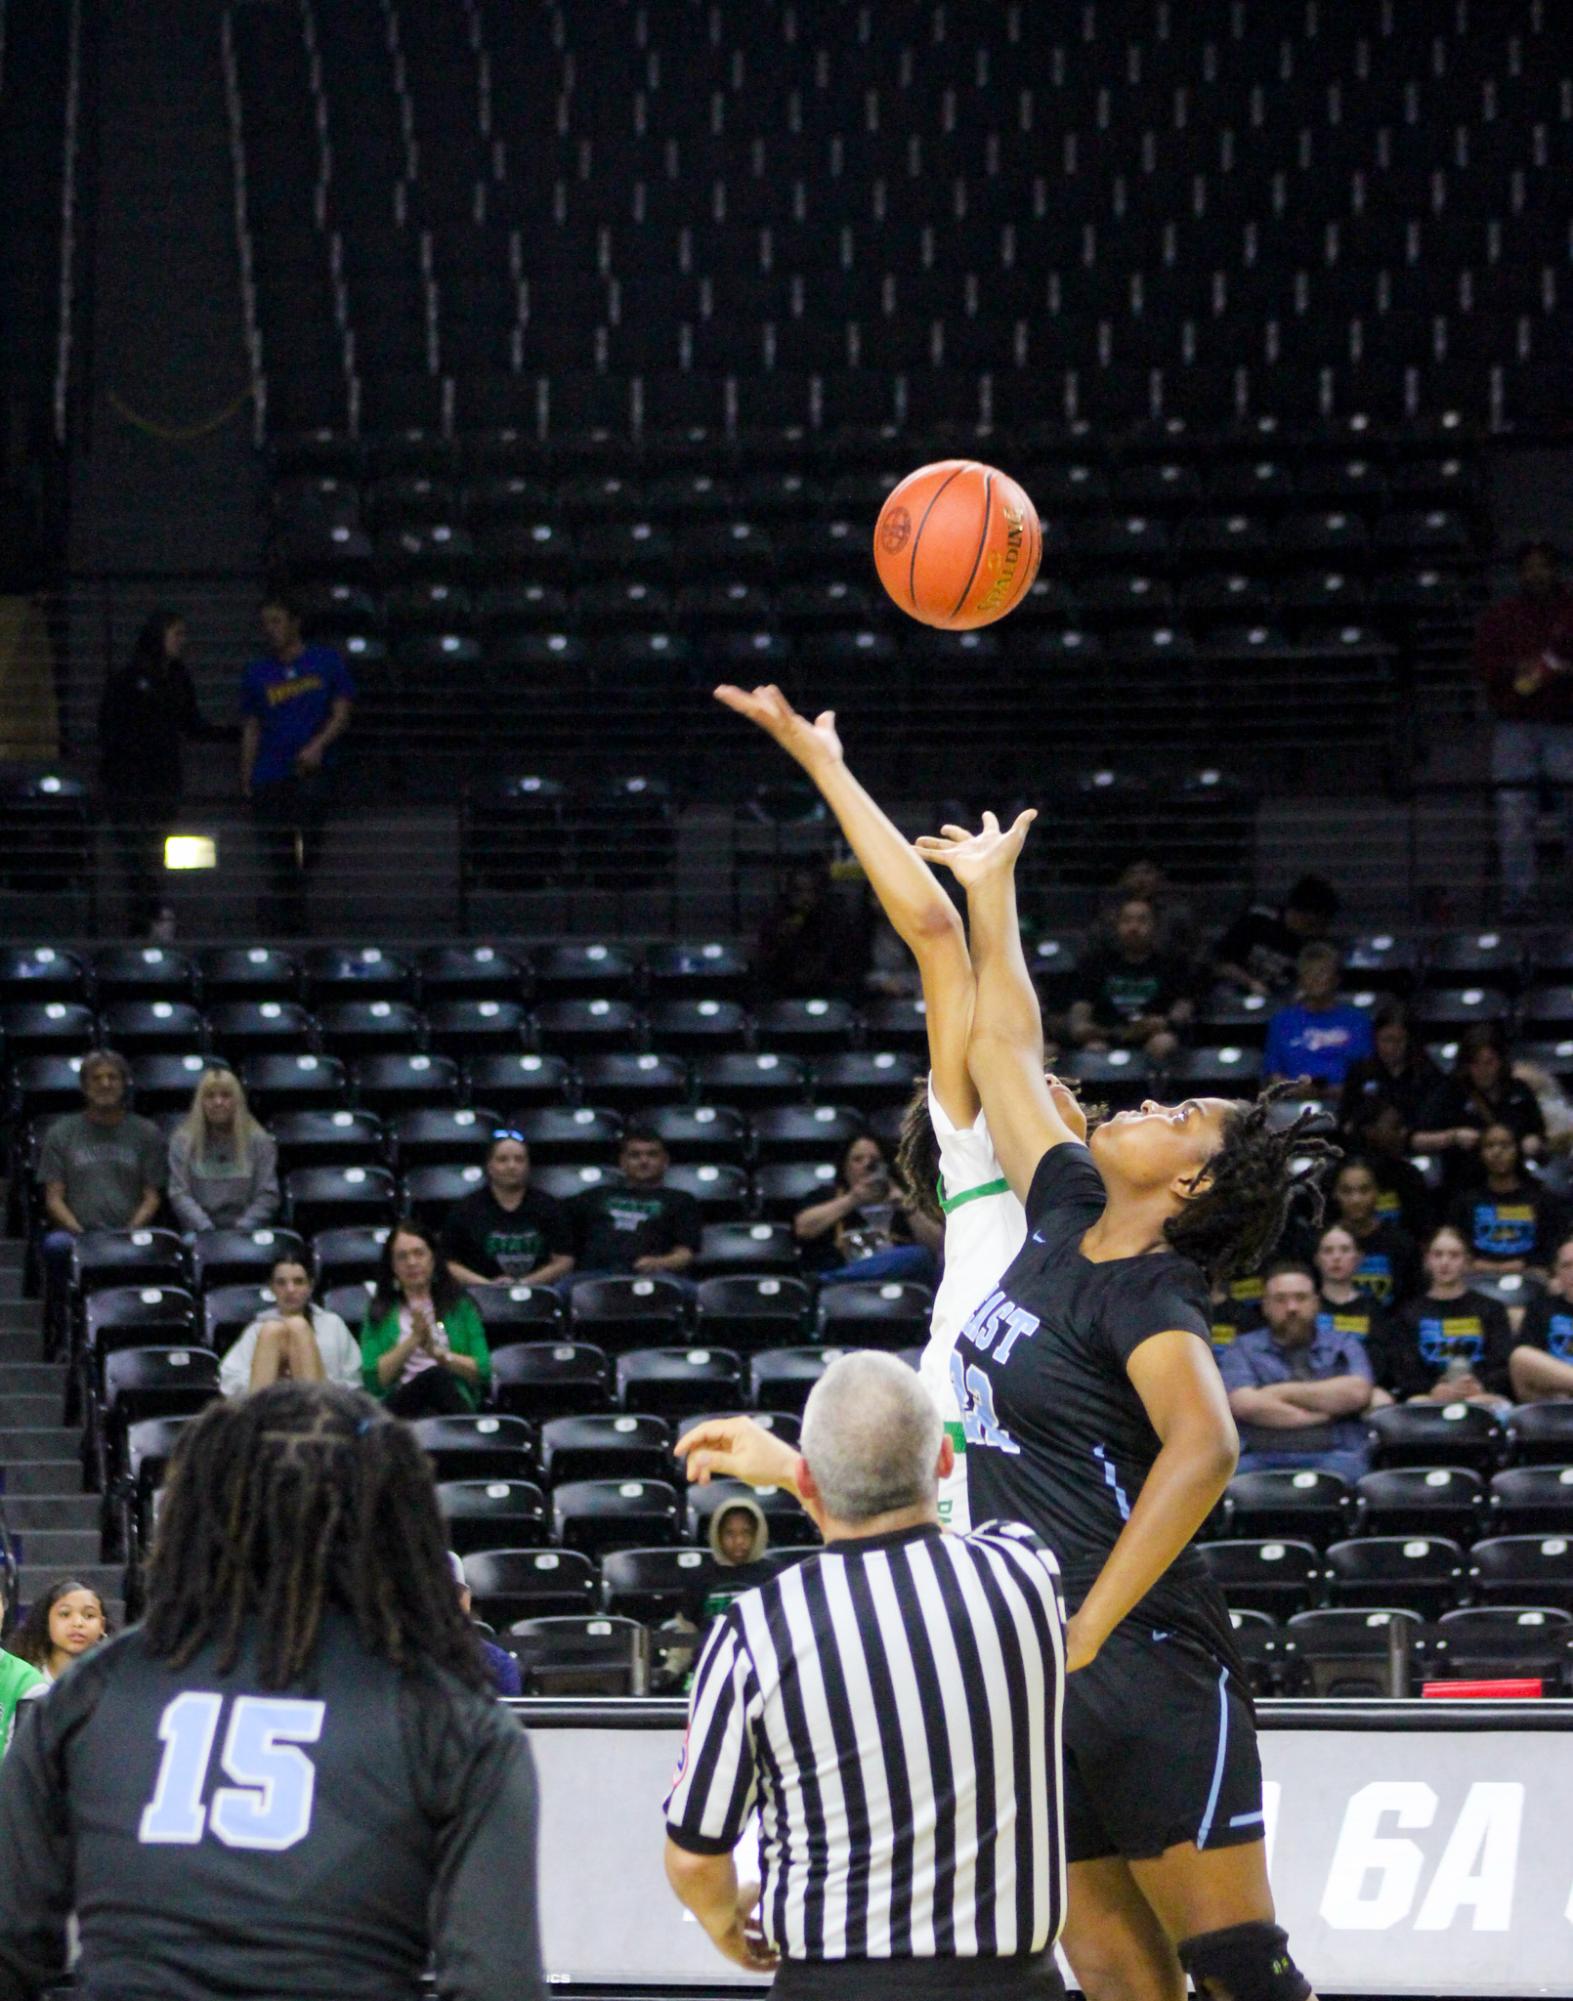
<point>147,712</point>
<point>1398,1071</point>
<point>1379,1133</point>
<point>299,1339</point>
<point>1509,1221</point>
<point>1346,1308</point>
<point>1260,949</point>
<point>423,1348</point>
<point>1451,1345</point>
<point>641,1226</point>
<point>814,941</point>
<point>1524,656</point>
<point>297,704</point>
<point>1174,932</point>
<point>867,1229</point>
<point>20,1681</point>
<point>1481,1092</point>
<point>223,1164</point>
<point>500,1665</point>
<point>62,1624</point>
<point>1298,1389</point>
<point>1541,1364</point>
<point>1317,1036</point>
<point>1135,997</point>
<point>508,1233</point>
<point>102,1168</point>
<point>1389,1268</point>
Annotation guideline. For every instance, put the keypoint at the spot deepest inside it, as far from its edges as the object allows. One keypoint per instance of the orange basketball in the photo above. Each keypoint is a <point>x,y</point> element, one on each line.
<point>957,544</point>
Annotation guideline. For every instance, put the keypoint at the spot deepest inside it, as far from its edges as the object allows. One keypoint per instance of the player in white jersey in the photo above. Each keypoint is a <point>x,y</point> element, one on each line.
<point>984,1222</point>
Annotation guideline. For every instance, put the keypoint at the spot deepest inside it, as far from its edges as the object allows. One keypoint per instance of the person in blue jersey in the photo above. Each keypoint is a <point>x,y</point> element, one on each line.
<point>1541,1364</point>
<point>296,703</point>
<point>1317,1035</point>
<point>1095,1413</point>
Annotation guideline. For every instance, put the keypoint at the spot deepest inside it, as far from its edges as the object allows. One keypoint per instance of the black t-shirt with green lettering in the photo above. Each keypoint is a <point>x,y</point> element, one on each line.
<point>1057,1436</point>
<point>613,1227</point>
<point>1119,990</point>
<point>483,1236</point>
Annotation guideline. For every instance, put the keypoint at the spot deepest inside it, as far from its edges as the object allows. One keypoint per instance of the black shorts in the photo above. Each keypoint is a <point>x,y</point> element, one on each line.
<point>1160,1748</point>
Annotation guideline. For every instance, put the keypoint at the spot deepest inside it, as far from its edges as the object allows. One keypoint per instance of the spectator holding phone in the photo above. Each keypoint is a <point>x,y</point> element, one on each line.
<point>866,1229</point>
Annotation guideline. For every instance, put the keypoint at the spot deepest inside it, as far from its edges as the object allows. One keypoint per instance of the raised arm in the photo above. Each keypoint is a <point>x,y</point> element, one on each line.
<point>1026,1113</point>
<point>920,912</point>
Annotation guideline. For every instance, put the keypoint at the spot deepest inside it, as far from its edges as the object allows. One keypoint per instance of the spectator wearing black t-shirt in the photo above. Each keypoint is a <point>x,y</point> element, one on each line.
<point>508,1233</point>
<point>1541,1364</point>
<point>1260,949</point>
<point>1451,1345</point>
<point>1346,1308</point>
<point>1380,1135</point>
<point>1509,1223</point>
<point>1389,1266</point>
<point>1481,1092</point>
<point>637,1226</point>
<point>1399,1071</point>
<point>1135,997</point>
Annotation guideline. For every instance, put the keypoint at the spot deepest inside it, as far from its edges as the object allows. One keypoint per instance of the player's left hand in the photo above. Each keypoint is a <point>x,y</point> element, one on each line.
<point>814,744</point>
<point>973,858</point>
<point>1069,1107</point>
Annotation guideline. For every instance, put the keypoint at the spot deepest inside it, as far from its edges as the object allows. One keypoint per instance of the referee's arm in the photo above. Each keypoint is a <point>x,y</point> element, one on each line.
<point>35,1875</point>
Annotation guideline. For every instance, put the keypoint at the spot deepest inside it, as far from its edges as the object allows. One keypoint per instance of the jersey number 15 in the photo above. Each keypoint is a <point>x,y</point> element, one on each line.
<point>269,1806</point>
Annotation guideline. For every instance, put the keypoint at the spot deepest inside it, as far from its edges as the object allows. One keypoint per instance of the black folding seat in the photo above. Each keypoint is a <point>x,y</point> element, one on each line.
<point>630,1081</point>
<point>508,1584</point>
<point>1547,1009</point>
<point>542,549</point>
<point>606,1446</point>
<point>39,973</point>
<point>1502,1643</point>
<point>694,971</point>
<point>396,1082</point>
<point>804,1132</point>
<point>46,1028</point>
<point>574,1027</point>
<point>154,1027</point>
<point>1481,959</point>
<point>545,1379</point>
<point>363,1028</point>
<point>878,1314</point>
<point>148,1448</point>
<point>429,1191</point>
<point>480,1515</point>
<point>637,1311</point>
<point>165,1082</point>
<point>138,1316</point>
<point>751,1080</point>
<point>746,1314</point>
<point>871,1079</point>
<point>897,1024</point>
<point>808,1027</point>
<point>1456,1008</point>
<point>1226,1070</point>
<point>653,1585</point>
<point>1306,1505</point>
<point>294,1083</point>
<point>722,1189</point>
<point>142,973</point>
<point>585,1654</point>
<point>566,1181</point>
<point>350,1254</point>
<point>1428,1434</point>
<point>597,1515</point>
<point>699,1027</point>
<point>246,1028</point>
<point>358,973</point>
<point>1541,1434</point>
<point>751,1249</point>
<point>1532,1500</point>
<point>672,1383</point>
<point>1277,1576</point>
<point>1423,1573</point>
<point>784,1517</point>
<point>228,1310</point>
<point>240,1257</point>
<point>1429,1500</point>
<point>1349,1652</point>
<point>1390,964</point>
<point>1432,531</point>
<point>477,1447</point>
<point>1523,1570</point>
<point>1120,1077</point>
<point>324,1198</point>
<point>518,1082</point>
<point>781,1378</point>
<point>440,1133</point>
<point>147,1382</point>
<point>103,1258</point>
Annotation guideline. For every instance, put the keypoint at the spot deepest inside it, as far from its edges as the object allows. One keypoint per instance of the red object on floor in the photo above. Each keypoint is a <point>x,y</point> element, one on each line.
<point>1483,1691</point>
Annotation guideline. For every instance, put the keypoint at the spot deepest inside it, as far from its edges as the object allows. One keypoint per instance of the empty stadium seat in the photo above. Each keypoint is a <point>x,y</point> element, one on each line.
<point>1428,1434</point>
<point>597,1515</point>
<point>348,1255</point>
<point>477,1447</point>
<point>1276,1576</point>
<point>329,1139</point>
<point>492,1514</point>
<point>1523,1570</point>
<point>1541,1434</point>
<point>745,1314</point>
<point>623,1312</point>
<point>512,1314</point>
<point>507,1584</point>
<point>145,1382</point>
<point>101,1258</point>
<point>653,1585</point>
<point>761,1249</point>
<point>1422,1573</point>
<point>540,1380</point>
<point>781,1378</point>
<point>327,1198</point>
<point>1349,1653</point>
<point>581,1654</point>
<point>1306,1505</point>
<point>1532,1500</point>
<point>610,1446</point>
<point>1428,1500</point>
<point>881,1314</point>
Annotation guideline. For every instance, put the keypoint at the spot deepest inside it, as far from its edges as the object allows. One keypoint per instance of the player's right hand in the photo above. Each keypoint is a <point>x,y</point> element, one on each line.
<point>973,858</point>
<point>814,744</point>
<point>736,1448</point>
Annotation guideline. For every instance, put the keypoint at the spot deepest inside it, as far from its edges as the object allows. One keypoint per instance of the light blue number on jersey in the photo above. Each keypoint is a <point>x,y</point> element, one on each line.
<point>269,1806</point>
<point>975,1400</point>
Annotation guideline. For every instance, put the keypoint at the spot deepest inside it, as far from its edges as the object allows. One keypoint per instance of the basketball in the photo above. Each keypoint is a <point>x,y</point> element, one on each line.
<point>957,544</point>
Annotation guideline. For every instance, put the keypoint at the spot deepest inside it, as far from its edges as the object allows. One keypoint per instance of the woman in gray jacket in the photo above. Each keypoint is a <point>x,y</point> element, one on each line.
<point>223,1165</point>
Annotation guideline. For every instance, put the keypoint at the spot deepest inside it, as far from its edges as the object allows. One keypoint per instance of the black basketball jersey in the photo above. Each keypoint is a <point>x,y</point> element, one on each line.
<point>215,1837</point>
<point>1056,1435</point>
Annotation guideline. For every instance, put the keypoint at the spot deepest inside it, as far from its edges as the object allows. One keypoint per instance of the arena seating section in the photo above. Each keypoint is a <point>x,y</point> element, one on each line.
<point>382,1077</point>
<point>589,340</point>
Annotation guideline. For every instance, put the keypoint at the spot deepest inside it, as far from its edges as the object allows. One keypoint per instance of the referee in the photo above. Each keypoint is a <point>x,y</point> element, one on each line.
<point>891,1709</point>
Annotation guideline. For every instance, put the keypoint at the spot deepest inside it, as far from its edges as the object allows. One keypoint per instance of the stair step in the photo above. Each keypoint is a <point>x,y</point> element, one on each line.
<point>22,1477</point>
<point>104,1578</point>
<point>55,1549</point>
<point>24,1344</point>
<point>30,1409</point>
<point>21,1316</point>
<point>30,1379</point>
<point>26,1513</point>
<point>38,1441</point>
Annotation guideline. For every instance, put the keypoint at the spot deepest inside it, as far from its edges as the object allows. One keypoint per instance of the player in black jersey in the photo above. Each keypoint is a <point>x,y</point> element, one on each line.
<point>288,1781</point>
<point>1095,1413</point>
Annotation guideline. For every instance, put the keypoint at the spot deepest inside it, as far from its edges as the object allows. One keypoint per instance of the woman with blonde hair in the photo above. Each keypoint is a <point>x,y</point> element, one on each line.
<point>223,1164</point>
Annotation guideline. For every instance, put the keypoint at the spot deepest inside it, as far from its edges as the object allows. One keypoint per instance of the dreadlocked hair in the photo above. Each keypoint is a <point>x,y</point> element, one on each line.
<point>1232,1224</point>
<point>294,1499</point>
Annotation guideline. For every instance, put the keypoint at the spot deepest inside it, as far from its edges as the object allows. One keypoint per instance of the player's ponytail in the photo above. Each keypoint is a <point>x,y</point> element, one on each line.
<point>1231,1224</point>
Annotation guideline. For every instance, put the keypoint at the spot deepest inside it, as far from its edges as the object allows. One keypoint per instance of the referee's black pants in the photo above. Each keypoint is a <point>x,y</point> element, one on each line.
<point>1020,1977</point>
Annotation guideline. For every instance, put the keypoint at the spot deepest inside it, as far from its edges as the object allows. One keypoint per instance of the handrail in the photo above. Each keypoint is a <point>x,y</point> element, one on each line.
<point>68,221</point>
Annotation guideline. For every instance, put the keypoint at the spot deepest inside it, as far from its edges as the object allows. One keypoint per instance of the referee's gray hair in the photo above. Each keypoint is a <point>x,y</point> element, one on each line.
<point>871,1436</point>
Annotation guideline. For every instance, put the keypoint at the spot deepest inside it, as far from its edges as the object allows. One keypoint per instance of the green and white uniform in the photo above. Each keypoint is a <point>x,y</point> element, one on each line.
<point>985,1226</point>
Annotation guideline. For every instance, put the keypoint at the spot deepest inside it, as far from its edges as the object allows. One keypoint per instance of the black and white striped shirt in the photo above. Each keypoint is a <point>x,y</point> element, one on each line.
<point>891,1706</point>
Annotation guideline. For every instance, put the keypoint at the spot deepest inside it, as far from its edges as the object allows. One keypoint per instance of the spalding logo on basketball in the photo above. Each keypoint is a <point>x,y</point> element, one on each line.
<point>958,544</point>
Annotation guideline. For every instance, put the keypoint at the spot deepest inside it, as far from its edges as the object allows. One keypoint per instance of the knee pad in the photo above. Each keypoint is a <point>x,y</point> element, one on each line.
<point>1244,1963</point>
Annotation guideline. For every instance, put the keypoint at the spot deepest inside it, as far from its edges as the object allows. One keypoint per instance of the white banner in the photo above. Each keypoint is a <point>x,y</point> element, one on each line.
<point>1405,1860</point>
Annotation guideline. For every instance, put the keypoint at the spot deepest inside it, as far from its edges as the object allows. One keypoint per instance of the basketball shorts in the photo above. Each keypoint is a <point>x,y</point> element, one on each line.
<point>1160,1748</point>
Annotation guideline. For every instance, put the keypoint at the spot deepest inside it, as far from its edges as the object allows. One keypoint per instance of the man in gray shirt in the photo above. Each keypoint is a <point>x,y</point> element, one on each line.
<point>102,1168</point>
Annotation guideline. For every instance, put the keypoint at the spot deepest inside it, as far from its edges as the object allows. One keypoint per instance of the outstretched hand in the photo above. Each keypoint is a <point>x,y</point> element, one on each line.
<point>974,858</point>
<point>813,744</point>
<point>736,1448</point>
